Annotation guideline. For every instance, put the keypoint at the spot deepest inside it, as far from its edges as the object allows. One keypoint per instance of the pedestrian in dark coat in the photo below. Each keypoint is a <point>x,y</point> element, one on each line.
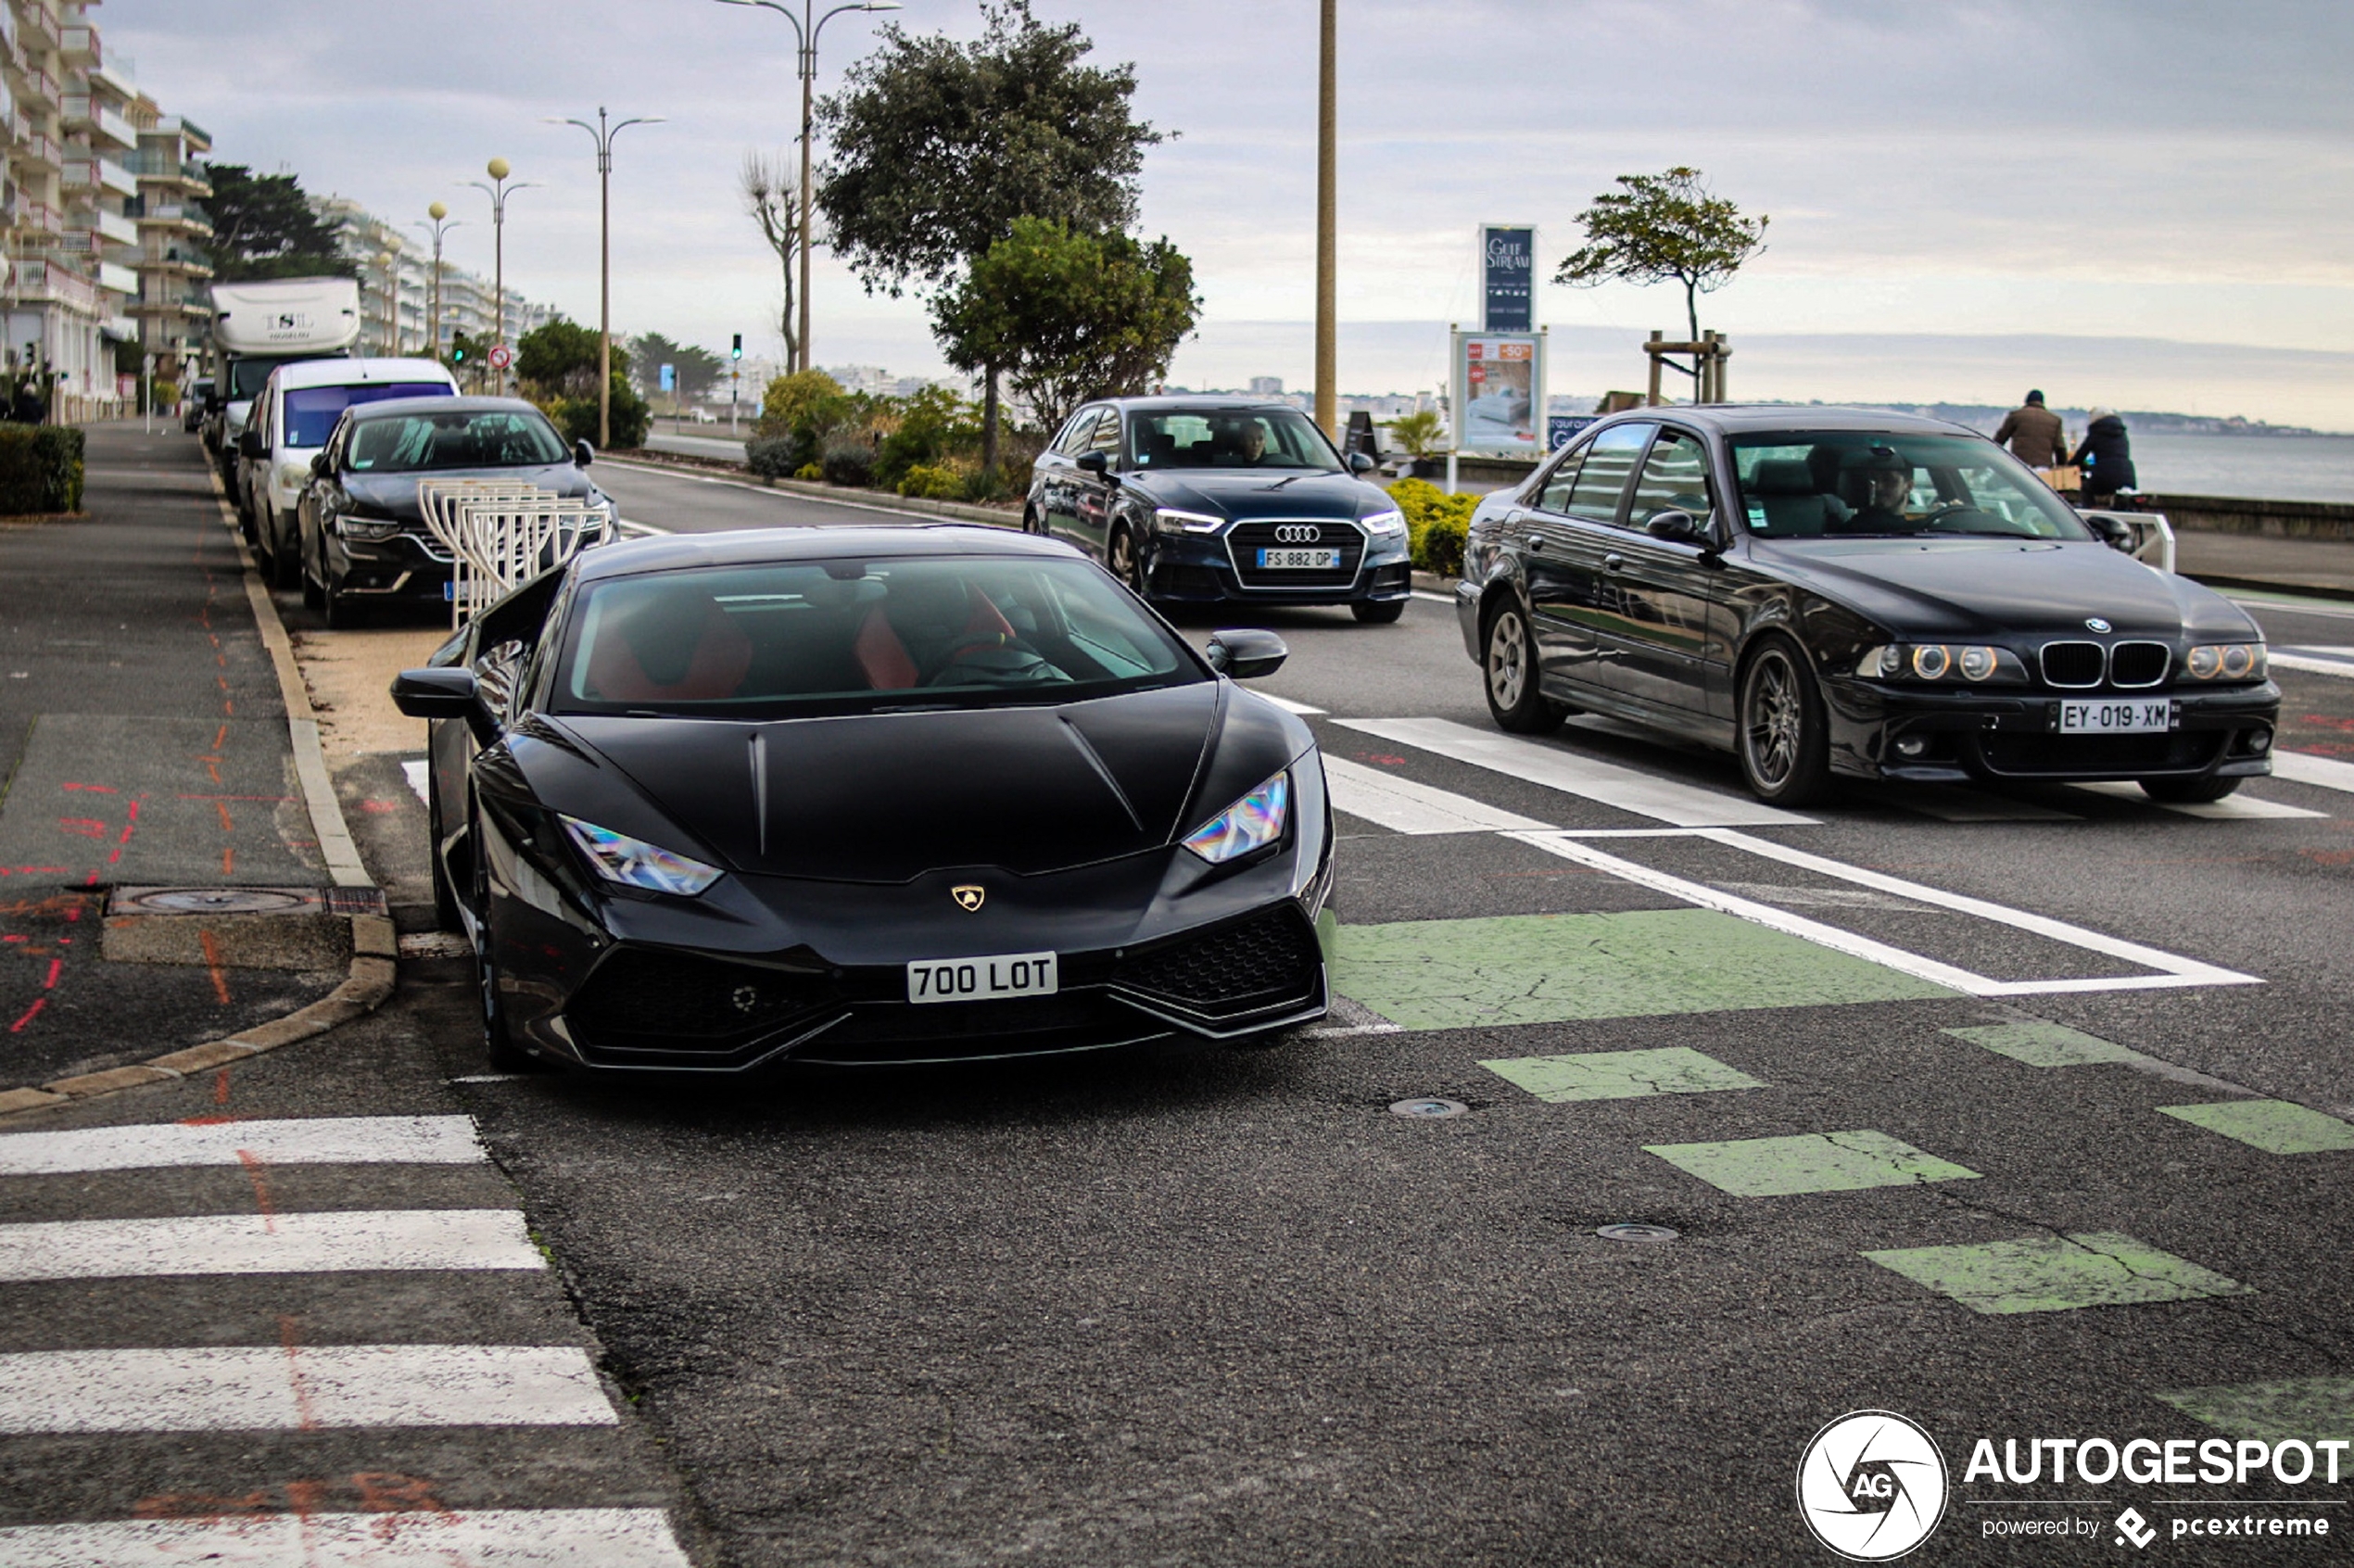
<point>28,407</point>
<point>2107,458</point>
<point>2033,434</point>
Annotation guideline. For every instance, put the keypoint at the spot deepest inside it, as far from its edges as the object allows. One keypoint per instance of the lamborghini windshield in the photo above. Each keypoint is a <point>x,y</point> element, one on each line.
<point>889,635</point>
<point>1860,483</point>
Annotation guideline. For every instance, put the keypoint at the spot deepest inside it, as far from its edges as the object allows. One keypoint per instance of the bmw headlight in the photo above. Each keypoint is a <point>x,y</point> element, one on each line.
<point>1949,662</point>
<point>1383,525</point>
<point>634,862</point>
<point>2226,660</point>
<point>1169,519</point>
<point>1253,822</point>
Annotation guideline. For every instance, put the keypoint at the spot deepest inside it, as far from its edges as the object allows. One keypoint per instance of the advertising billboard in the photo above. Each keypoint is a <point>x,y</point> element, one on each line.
<point>1508,277</point>
<point>1499,393</point>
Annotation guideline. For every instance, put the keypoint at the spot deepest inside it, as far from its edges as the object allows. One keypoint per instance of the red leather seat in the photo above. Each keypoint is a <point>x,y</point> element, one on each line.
<point>644,644</point>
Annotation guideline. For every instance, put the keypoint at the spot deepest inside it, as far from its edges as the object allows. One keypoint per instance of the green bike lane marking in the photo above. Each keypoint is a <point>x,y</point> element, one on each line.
<point>1559,968</point>
<point>2045,1044</point>
<point>1620,1075</point>
<point>1810,1162</point>
<point>2275,1126</point>
<point>2309,1408</point>
<point>2056,1274</point>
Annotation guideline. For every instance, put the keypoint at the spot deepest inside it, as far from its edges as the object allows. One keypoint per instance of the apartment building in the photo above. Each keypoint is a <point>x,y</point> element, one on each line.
<point>396,288</point>
<point>65,123</point>
<point>173,307</point>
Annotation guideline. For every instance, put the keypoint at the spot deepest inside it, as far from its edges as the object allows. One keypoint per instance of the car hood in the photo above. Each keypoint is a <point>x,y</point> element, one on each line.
<point>887,797</point>
<point>1962,586</point>
<point>1245,493</point>
<point>397,493</point>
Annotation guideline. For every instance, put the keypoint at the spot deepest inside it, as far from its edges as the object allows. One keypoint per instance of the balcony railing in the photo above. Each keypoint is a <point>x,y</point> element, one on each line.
<point>80,43</point>
<point>36,281</point>
<point>37,147</point>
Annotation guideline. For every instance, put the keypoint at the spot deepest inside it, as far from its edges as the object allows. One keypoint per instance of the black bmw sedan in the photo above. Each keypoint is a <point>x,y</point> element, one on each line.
<point>1204,500</point>
<point>363,537</point>
<point>854,796</point>
<point>1838,591</point>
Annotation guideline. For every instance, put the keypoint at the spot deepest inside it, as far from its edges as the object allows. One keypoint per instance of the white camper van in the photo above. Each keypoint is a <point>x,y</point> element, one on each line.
<point>258,326</point>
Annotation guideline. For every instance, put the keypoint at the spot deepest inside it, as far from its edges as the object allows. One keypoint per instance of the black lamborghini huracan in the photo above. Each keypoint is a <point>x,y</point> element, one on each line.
<point>866,795</point>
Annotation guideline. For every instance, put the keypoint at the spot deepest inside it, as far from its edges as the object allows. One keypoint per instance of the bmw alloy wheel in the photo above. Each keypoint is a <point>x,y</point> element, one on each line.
<point>1783,746</point>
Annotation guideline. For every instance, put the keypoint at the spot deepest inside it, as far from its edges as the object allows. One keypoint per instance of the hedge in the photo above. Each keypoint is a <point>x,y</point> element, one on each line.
<point>39,469</point>
<point>1434,525</point>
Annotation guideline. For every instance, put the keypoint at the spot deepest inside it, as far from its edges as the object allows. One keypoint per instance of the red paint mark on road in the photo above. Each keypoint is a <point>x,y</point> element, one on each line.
<point>82,827</point>
<point>222,807</point>
<point>228,863</point>
<point>13,938</point>
<point>208,1120</point>
<point>212,966</point>
<point>2326,749</point>
<point>221,737</point>
<point>275,800</point>
<point>306,1419</point>
<point>96,789</point>
<point>29,1014</point>
<point>379,808</point>
<point>254,1170</point>
<point>1382,759</point>
<point>2328,857</point>
<point>51,984</point>
<point>2328,721</point>
<point>220,1087</point>
<point>32,870</point>
<point>129,827</point>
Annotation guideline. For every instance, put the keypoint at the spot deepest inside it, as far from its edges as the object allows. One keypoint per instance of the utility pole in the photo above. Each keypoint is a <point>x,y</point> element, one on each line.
<point>604,136</point>
<point>441,224</point>
<point>499,191</point>
<point>805,28</point>
<point>1327,207</point>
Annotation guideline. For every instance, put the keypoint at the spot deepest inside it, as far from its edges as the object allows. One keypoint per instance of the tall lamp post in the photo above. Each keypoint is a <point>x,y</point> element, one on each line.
<point>1327,239</point>
<point>805,28</point>
<point>603,135</point>
<point>441,224</point>
<point>499,191</point>
<point>388,263</point>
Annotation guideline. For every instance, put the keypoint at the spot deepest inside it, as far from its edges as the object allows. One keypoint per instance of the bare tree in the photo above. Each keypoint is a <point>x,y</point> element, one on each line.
<point>773,198</point>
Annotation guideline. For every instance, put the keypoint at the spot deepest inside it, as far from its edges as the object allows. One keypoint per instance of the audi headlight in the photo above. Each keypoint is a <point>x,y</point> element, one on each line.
<point>634,862</point>
<point>1169,519</point>
<point>1384,523</point>
<point>1253,822</point>
<point>2226,660</point>
<point>1971,663</point>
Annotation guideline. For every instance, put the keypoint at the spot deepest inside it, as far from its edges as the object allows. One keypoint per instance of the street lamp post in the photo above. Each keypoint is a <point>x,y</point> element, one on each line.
<point>441,224</point>
<point>498,190</point>
<point>389,263</point>
<point>1327,239</point>
<point>805,28</point>
<point>603,135</point>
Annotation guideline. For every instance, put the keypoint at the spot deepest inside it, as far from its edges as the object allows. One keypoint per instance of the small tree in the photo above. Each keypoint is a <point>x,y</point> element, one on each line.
<point>1068,315</point>
<point>558,358</point>
<point>1420,434</point>
<point>1661,228</point>
<point>773,198</point>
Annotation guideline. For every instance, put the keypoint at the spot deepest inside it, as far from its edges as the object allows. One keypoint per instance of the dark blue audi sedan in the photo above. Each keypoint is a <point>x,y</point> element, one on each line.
<point>1204,500</point>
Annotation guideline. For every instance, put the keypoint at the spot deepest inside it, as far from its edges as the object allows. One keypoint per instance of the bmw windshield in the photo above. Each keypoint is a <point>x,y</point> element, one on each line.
<point>1869,484</point>
<point>895,635</point>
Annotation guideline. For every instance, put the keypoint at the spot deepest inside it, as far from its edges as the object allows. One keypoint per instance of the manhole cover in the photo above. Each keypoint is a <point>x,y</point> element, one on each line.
<point>1634,1232</point>
<point>212,901</point>
<point>1428,1110</point>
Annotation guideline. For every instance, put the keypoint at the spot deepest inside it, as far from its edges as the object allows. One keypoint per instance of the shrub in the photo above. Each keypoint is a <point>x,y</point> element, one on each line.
<point>40,469</point>
<point>810,472</point>
<point>771,457</point>
<point>849,462</point>
<point>934,483</point>
<point>1434,525</point>
<point>986,484</point>
<point>577,417</point>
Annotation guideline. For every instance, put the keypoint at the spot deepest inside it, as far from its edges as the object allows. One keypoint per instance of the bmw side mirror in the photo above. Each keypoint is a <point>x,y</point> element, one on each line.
<point>1094,464</point>
<point>583,454</point>
<point>1245,651</point>
<point>2115,532</point>
<point>1360,463</point>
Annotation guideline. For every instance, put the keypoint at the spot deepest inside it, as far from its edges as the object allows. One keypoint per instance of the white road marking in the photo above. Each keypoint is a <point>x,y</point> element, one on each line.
<point>554,1537</point>
<point>1555,767</point>
<point>2311,665</point>
<point>268,1243</point>
<point>2334,609</point>
<point>1404,806</point>
<point>415,770</point>
<point>2303,767</point>
<point>2230,808</point>
<point>630,528</point>
<point>1302,709</point>
<point>1338,1030</point>
<point>2173,970</point>
<point>327,1139</point>
<point>1435,597</point>
<point>271,1388</point>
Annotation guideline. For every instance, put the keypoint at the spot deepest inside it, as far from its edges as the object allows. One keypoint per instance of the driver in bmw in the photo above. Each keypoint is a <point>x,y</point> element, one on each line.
<point>1878,482</point>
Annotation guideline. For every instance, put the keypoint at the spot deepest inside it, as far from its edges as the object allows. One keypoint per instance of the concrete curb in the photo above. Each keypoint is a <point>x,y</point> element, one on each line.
<point>374,947</point>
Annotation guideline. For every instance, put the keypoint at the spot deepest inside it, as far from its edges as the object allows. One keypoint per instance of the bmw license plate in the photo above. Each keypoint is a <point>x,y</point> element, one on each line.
<point>2117,719</point>
<point>1299,559</point>
<point>981,979</point>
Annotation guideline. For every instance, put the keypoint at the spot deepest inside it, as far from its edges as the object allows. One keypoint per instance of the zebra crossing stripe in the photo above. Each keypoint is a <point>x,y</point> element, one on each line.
<point>338,1140</point>
<point>1403,806</point>
<point>571,1537</point>
<point>2303,767</point>
<point>268,1243</point>
<point>290,1388</point>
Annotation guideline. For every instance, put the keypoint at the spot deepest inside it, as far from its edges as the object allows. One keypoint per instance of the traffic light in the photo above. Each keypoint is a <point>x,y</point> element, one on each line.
<point>458,354</point>
<point>738,351</point>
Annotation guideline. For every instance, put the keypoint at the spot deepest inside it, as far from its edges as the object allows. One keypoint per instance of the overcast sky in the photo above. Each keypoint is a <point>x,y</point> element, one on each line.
<point>2141,174</point>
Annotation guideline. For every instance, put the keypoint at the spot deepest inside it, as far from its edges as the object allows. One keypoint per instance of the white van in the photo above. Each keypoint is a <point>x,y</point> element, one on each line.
<point>292,416</point>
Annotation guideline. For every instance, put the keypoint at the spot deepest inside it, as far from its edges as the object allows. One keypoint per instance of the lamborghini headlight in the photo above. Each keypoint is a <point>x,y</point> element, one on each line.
<point>1253,822</point>
<point>634,862</point>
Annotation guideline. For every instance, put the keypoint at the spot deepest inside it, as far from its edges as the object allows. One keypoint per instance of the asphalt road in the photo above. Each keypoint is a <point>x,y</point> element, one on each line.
<point>2021,1114</point>
<point>1230,1309</point>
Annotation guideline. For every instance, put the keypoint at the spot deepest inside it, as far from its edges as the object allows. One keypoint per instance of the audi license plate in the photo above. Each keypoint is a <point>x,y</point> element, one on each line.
<point>1299,559</point>
<point>2116,719</point>
<point>981,979</point>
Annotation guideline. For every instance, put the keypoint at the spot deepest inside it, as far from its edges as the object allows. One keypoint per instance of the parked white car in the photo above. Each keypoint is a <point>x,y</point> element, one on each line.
<point>292,417</point>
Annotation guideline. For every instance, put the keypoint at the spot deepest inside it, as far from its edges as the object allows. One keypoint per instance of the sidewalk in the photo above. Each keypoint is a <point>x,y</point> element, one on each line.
<point>2261,561</point>
<point>142,742</point>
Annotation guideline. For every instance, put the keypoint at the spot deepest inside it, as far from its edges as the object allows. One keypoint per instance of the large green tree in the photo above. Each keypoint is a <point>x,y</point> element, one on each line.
<point>938,146</point>
<point>699,370</point>
<point>1663,228</point>
<point>1068,315</point>
<point>264,227</point>
<point>558,358</point>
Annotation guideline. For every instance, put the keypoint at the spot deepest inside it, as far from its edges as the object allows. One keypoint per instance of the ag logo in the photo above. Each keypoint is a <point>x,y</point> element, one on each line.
<point>968,896</point>
<point>1871,1486</point>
